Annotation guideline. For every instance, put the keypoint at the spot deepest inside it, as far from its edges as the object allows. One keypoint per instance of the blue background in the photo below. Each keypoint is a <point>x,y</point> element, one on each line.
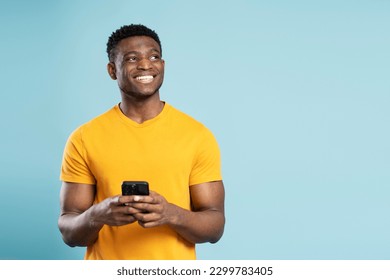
<point>296,92</point>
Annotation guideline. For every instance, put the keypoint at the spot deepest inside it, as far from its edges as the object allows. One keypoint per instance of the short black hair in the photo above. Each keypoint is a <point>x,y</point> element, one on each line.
<point>127,31</point>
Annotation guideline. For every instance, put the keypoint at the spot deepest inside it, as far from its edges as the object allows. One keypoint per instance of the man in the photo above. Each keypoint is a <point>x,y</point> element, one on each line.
<point>141,139</point>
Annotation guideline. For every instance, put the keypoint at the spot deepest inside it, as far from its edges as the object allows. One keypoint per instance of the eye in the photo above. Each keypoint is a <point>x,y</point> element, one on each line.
<point>131,58</point>
<point>154,57</point>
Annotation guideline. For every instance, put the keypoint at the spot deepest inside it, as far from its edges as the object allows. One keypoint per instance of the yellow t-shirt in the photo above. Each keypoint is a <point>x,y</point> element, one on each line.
<point>171,151</point>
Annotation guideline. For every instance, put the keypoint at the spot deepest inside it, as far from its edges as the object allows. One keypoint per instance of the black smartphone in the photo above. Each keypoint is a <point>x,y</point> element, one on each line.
<point>135,188</point>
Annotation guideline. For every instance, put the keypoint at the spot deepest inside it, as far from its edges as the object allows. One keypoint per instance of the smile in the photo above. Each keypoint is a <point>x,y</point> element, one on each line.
<point>145,79</point>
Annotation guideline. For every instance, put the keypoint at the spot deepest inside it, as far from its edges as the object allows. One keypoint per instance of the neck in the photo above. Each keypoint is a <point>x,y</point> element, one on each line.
<point>141,110</point>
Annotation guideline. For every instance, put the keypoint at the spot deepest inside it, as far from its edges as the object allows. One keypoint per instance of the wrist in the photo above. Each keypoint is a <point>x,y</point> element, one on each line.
<point>93,221</point>
<point>177,215</point>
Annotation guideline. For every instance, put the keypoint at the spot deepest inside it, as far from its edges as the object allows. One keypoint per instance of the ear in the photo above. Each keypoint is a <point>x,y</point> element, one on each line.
<point>111,70</point>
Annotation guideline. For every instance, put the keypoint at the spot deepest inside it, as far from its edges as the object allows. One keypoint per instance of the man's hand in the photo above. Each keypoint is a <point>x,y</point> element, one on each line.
<point>152,210</point>
<point>113,211</point>
<point>81,220</point>
<point>203,223</point>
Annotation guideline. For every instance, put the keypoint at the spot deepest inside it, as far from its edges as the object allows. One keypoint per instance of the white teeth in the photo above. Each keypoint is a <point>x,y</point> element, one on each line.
<point>144,78</point>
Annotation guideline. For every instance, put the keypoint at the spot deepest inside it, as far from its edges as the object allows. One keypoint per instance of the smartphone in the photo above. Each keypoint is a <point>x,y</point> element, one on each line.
<point>135,188</point>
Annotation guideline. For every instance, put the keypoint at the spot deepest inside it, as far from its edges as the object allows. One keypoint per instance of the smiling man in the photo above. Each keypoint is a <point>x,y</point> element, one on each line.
<point>141,139</point>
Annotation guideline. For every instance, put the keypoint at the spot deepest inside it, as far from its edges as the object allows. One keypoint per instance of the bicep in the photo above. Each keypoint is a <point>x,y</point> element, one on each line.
<point>76,198</point>
<point>208,196</point>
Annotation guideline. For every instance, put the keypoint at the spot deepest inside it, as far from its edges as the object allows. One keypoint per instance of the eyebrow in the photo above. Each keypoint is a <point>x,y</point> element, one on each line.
<point>135,52</point>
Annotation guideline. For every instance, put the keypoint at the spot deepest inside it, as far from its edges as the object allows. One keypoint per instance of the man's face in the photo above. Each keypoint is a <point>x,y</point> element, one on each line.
<point>138,67</point>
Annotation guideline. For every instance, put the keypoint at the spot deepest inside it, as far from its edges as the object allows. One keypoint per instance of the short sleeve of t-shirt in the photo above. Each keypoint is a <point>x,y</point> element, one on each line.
<point>207,162</point>
<point>74,165</point>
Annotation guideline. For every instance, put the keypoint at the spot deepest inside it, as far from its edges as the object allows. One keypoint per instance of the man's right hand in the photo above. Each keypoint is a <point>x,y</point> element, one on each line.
<point>81,220</point>
<point>113,211</point>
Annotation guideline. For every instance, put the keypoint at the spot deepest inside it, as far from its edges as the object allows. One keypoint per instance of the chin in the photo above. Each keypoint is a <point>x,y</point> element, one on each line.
<point>141,95</point>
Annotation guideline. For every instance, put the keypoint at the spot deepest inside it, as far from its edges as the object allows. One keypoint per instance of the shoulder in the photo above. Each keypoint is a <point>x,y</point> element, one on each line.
<point>188,127</point>
<point>95,124</point>
<point>185,119</point>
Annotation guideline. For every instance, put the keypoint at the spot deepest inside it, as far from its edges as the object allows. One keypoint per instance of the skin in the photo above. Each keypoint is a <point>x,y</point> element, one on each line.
<point>81,220</point>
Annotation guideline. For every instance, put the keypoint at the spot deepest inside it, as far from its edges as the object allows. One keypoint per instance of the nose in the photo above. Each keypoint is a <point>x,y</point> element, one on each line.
<point>144,64</point>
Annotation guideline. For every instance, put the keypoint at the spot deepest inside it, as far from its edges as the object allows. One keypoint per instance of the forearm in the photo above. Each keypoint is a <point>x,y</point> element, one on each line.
<point>79,229</point>
<point>198,227</point>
